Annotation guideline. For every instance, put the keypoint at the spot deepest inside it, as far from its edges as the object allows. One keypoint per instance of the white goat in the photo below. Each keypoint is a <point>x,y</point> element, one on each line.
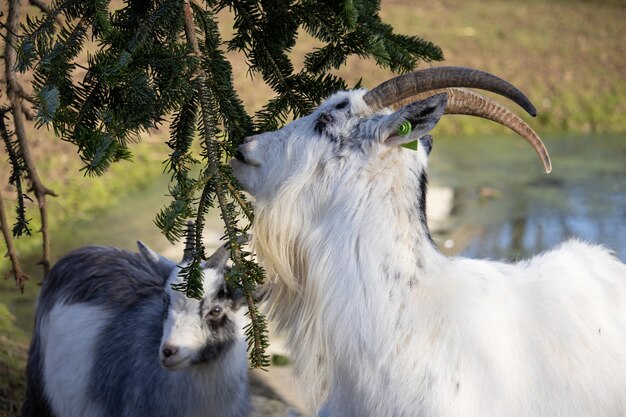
<point>112,339</point>
<point>379,322</point>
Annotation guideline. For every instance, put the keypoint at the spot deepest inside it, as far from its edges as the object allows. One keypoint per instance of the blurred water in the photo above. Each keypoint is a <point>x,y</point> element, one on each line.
<point>518,210</point>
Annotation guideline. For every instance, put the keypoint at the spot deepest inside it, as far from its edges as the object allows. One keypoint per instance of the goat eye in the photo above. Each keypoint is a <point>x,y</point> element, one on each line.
<point>215,312</point>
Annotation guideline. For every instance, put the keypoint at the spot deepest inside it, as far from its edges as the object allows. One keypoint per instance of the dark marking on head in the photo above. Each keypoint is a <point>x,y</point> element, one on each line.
<point>323,121</point>
<point>342,104</point>
<point>201,309</point>
<point>212,350</point>
<point>457,387</point>
<point>218,323</point>
<point>35,402</point>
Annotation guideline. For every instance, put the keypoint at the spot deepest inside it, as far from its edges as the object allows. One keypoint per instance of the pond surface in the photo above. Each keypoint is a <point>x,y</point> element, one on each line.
<point>514,210</point>
<point>503,205</point>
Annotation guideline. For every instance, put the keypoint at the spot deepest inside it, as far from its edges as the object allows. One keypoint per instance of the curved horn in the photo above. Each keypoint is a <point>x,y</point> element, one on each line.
<point>190,242</point>
<point>407,85</point>
<point>473,104</point>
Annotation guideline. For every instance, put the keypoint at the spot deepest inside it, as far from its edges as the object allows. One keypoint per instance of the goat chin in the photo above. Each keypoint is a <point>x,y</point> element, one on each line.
<point>380,323</point>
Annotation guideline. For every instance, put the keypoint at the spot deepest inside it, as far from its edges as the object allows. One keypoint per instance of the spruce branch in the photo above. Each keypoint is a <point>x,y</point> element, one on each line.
<point>257,331</point>
<point>245,206</point>
<point>19,122</point>
<point>18,168</point>
<point>145,71</point>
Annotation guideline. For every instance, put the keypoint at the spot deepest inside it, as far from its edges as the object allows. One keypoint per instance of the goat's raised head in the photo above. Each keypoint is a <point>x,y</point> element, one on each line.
<point>197,331</point>
<point>352,125</point>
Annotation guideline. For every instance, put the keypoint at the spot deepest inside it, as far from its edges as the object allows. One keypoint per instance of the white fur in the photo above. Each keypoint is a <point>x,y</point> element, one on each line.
<point>68,340</point>
<point>381,324</point>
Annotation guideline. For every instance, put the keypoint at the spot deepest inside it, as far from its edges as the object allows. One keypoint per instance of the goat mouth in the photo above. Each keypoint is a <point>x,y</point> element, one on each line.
<point>171,365</point>
<point>239,157</point>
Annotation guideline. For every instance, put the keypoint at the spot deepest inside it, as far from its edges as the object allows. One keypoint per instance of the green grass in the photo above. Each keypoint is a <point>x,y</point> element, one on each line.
<point>568,56</point>
<point>13,347</point>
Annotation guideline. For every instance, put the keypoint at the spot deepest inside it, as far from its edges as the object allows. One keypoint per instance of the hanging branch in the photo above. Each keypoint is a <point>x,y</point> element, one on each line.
<point>258,329</point>
<point>145,70</point>
<point>15,98</point>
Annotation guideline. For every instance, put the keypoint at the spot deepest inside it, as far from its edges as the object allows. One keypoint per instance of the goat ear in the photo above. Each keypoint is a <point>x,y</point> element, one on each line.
<point>414,120</point>
<point>160,264</point>
<point>219,258</point>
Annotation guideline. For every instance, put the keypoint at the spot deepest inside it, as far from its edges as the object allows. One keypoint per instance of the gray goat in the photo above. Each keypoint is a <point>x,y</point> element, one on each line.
<point>112,338</point>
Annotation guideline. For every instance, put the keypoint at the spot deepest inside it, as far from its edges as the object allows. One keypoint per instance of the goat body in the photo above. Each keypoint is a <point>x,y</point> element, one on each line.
<point>380,323</point>
<point>98,337</point>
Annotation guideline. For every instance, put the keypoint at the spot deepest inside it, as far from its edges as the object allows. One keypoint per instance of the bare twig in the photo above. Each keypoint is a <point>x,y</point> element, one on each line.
<point>15,95</point>
<point>43,6</point>
<point>28,114</point>
<point>19,275</point>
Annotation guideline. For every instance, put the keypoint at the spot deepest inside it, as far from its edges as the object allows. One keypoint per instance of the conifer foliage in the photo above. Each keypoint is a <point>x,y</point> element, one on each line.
<point>166,60</point>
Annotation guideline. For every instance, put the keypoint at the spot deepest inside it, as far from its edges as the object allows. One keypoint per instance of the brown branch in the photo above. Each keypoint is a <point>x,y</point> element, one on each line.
<point>43,6</point>
<point>236,194</point>
<point>19,275</point>
<point>15,97</point>
<point>212,148</point>
<point>28,114</point>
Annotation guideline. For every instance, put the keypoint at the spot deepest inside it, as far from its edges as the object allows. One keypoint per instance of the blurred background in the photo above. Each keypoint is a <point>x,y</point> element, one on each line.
<point>489,197</point>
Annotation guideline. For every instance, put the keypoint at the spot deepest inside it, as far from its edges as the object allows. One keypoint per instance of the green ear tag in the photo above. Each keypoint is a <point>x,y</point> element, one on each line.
<point>404,129</point>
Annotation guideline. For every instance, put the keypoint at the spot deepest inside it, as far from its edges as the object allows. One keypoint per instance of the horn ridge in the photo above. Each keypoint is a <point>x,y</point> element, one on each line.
<point>410,84</point>
<point>470,103</point>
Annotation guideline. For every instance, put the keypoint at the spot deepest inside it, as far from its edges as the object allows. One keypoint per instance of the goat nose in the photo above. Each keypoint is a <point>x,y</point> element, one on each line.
<point>248,139</point>
<point>169,350</point>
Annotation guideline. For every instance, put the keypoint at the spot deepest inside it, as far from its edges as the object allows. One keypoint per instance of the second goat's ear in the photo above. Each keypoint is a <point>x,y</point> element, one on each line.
<point>414,120</point>
<point>162,266</point>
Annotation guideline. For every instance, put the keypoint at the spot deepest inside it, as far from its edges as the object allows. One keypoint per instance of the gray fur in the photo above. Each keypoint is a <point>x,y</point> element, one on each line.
<point>127,378</point>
